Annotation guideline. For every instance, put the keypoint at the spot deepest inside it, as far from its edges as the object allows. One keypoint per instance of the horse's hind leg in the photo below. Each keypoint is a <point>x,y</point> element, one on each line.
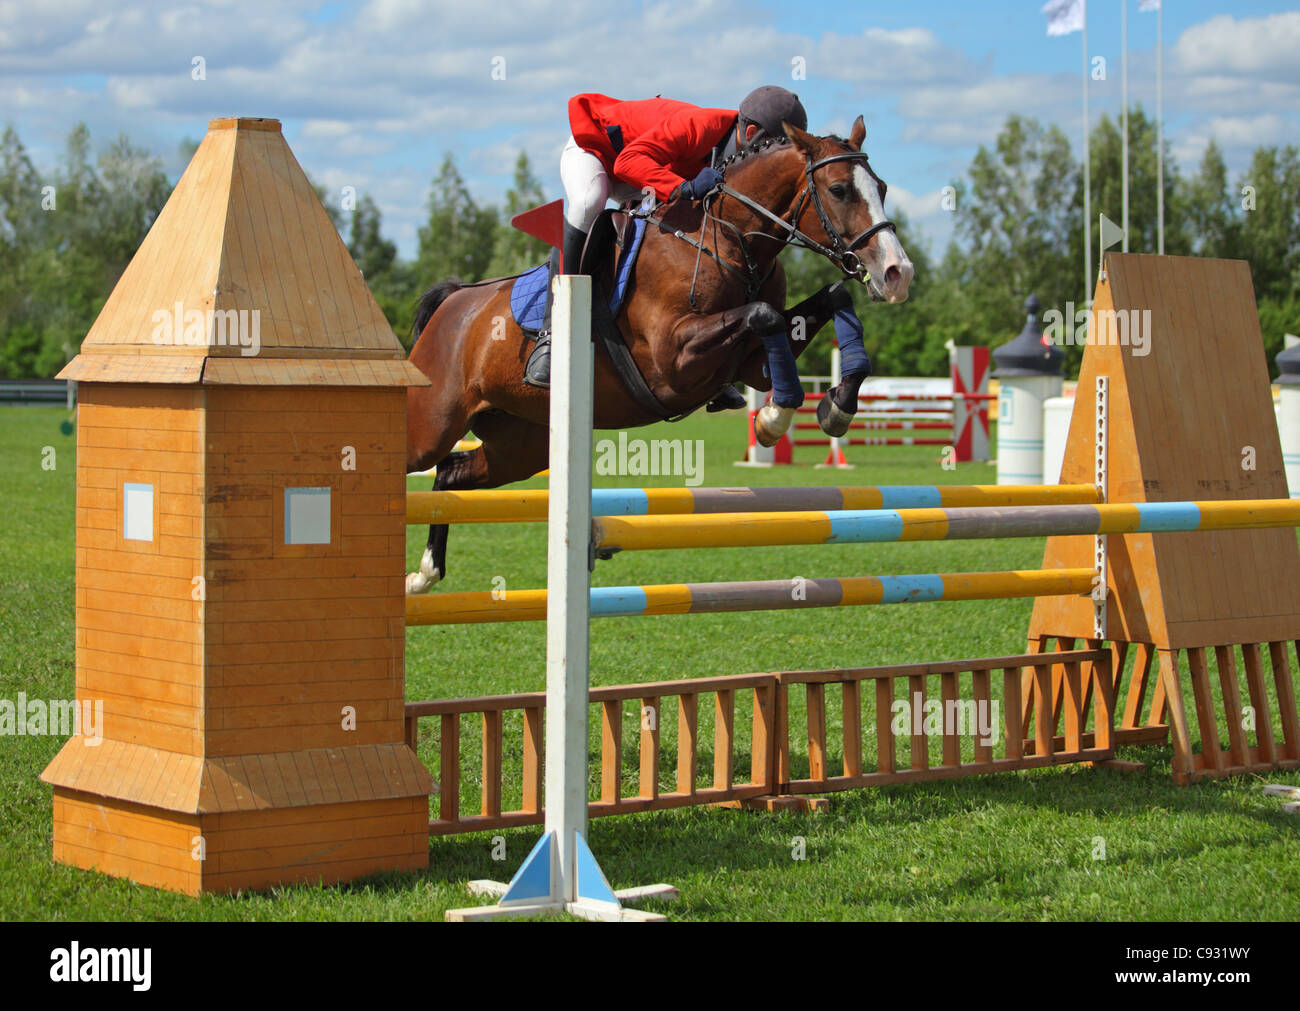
<point>433,563</point>
<point>512,450</point>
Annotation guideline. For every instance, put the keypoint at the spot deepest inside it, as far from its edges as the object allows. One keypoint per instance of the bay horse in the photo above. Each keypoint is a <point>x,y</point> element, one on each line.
<point>705,292</point>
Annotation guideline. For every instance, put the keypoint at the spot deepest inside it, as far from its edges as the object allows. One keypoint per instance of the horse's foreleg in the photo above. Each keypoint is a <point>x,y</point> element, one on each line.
<point>804,321</point>
<point>836,410</point>
<point>725,332</point>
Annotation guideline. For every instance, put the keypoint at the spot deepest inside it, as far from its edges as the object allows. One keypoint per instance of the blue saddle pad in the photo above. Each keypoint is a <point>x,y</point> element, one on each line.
<point>528,299</point>
<point>625,263</point>
<point>529,294</point>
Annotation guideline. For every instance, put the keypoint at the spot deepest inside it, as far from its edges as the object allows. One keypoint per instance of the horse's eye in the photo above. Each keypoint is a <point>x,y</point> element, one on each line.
<point>839,191</point>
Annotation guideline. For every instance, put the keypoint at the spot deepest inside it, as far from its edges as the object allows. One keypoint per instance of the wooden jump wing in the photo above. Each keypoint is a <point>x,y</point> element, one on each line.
<point>1191,417</point>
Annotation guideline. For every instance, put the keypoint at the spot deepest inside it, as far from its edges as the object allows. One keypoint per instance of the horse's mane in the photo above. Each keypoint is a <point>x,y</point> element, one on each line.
<point>770,145</point>
<point>759,147</point>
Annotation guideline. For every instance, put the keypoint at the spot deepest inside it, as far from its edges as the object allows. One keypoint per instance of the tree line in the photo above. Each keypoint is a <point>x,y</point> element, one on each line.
<point>66,237</point>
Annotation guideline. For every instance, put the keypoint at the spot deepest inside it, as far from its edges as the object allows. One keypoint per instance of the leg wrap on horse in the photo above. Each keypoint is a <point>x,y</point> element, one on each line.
<point>773,419</point>
<point>836,410</point>
<point>848,332</point>
<point>781,367</point>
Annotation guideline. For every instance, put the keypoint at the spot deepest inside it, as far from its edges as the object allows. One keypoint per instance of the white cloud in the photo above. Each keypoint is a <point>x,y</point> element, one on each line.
<point>372,96</point>
<point>1261,47</point>
<point>895,58</point>
<point>1252,131</point>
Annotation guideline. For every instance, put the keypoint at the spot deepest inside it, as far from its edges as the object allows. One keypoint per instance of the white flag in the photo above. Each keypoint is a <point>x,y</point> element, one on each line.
<point>1111,233</point>
<point>1064,16</point>
<point>1148,5</point>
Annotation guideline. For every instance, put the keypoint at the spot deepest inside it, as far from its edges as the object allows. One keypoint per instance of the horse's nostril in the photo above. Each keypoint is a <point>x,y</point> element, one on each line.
<point>893,275</point>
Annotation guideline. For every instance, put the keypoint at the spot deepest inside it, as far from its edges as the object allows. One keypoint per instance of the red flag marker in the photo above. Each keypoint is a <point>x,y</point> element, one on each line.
<point>545,223</point>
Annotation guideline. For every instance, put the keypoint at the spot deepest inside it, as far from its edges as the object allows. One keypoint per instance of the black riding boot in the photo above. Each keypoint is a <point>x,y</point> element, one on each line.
<point>537,370</point>
<point>728,399</point>
<point>574,241</point>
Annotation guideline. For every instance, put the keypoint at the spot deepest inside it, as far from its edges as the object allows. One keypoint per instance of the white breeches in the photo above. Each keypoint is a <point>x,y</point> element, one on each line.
<point>587,186</point>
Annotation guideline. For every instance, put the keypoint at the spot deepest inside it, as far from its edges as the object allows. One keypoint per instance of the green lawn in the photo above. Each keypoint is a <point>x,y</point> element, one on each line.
<point>1015,847</point>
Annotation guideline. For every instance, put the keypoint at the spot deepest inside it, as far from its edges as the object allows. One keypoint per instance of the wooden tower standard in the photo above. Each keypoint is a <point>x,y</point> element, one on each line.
<point>1190,417</point>
<point>240,520</point>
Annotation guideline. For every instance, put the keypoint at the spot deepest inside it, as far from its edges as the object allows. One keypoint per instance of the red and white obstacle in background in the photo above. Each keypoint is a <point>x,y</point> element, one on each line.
<point>958,404</point>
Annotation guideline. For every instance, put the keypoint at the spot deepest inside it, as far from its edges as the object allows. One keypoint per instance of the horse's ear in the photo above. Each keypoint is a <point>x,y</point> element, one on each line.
<point>858,134</point>
<point>801,138</point>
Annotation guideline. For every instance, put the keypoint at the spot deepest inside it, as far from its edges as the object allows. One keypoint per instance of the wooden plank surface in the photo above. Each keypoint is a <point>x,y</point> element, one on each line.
<point>649,771</point>
<point>688,739</point>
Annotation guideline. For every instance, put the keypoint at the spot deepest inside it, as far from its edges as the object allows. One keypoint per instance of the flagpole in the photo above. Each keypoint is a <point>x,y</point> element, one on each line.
<point>1087,174</point>
<point>1160,131</point>
<point>1123,75</point>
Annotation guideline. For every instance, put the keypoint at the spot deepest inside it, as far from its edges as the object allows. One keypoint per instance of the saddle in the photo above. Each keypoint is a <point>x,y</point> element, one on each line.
<point>609,256</point>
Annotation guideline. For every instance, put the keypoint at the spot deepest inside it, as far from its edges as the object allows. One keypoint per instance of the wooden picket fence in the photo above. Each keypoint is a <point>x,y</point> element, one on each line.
<point>792,745</point>
<point>1242,714</point>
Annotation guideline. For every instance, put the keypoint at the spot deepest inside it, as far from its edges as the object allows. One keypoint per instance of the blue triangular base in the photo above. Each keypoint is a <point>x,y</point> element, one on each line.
<point>532,882</point>
<point>538,877</point>
<point>591,881</point>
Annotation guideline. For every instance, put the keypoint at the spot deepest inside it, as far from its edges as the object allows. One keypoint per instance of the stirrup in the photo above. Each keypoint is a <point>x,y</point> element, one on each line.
<point>537,370</point>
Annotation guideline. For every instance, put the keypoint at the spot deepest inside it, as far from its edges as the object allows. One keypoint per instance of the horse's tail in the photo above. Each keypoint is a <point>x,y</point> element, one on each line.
<point>430,301</point>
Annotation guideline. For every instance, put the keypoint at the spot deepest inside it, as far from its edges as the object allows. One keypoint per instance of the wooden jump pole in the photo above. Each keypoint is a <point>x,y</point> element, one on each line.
<point>530,505</point>
<point>871,526</point>
<point>754,595</point>
<point>560,874</point>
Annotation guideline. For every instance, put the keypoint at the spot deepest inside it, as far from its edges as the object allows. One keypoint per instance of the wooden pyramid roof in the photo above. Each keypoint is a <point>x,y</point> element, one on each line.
<point>243,232</point>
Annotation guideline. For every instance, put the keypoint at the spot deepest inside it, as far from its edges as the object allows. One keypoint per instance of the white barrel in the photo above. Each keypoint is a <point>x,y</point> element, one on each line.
<point>1020,426</point>
<point>1057,412</point>
<point>1288,426</point>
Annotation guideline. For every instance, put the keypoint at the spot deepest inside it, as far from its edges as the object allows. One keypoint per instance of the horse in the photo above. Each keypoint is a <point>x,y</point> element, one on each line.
<point>704,294</point>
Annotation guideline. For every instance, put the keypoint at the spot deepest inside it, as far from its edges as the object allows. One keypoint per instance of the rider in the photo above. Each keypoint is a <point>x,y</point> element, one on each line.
<point>669,148</point>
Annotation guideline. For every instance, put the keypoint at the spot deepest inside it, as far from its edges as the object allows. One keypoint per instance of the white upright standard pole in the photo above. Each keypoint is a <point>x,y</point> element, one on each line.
<point>1101,478</point>
<point>1088,279</point>
<point>755,455</point>
<point>1160,131</point>
<point>560,874</point>
<point>835,458</point>
<point>568,583</point>
<point>1123,76</point>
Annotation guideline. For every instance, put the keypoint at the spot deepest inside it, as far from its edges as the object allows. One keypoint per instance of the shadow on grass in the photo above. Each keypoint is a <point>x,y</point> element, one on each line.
<point>894,848</point>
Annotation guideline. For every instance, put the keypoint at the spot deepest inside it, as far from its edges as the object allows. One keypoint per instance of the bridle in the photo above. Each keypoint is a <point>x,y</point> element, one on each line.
<point>842,253</point>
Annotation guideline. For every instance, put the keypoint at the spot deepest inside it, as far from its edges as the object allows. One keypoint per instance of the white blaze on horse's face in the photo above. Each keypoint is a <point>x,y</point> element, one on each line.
<point>884,256</point>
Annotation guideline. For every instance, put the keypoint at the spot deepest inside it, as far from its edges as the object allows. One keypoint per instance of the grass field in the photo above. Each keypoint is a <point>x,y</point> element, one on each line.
<point>1022,846</point>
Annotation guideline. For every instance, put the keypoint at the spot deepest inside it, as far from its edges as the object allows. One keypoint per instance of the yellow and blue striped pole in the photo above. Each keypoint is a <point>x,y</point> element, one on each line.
<point>529,506</point>
<point>759,595</point>
<point>769,529</point>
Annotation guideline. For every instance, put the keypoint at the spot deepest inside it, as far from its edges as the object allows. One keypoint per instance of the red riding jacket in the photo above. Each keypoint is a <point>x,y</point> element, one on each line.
<point>664,142</point>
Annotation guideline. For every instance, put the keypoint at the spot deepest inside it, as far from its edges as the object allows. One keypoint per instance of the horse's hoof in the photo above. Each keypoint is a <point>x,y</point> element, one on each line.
<point>832,420</point>
<point>419,582</point>
<point>772,422</point>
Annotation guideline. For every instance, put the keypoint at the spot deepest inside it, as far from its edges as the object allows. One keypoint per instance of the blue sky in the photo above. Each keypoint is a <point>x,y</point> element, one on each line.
<point>372,94</point>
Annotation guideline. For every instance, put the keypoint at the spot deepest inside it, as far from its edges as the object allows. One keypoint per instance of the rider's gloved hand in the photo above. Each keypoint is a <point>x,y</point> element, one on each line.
<point>708,178</point>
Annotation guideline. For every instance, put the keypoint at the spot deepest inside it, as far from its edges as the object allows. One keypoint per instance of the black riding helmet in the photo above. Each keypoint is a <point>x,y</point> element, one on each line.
<point>767,106</point>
